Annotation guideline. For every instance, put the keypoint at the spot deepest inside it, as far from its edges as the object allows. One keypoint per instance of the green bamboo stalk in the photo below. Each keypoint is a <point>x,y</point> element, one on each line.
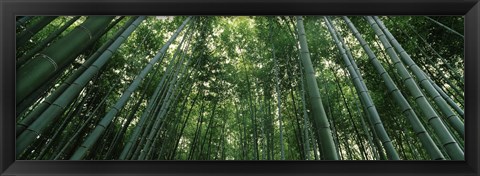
<point>364,96</point>
<point>156,107</point>
<point>85,123</point>
<point>459,78</point>
<point>321,122</point>
<point>457,94</point>
<point>33,115</point>
<point>51,60</point>
<point>160,122</point>
<point>183,106</point>
<point>303,97</point>
<point>44,42</point>
<point>253,121</point>
<point>33,101</point>
<point>342,95</point>
<point>143,119</point>
<point>71,76</point>
<point>164,106</point>
<point>100,128</point>
<point>34,96</point>
<point>119,136</point>
<point>53,111</point>
<point>278,92</point>
<point>73,110</point>
<point>331,116</point>
<point>262,131</point>
<point>452,118</point>
<point>207,131</point>
<point>419,129</point>
<point>162,91</point>
<point>305,117</point>
<point>197,130</point>
<point>184,124</point>
<point>431,116</point>
<point>448,99</point>
<point>29,32</point>
<point>446,27</point>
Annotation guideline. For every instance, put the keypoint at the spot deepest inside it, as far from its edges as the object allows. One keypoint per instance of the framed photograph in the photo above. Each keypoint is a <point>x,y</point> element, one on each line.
<point>239,87</point>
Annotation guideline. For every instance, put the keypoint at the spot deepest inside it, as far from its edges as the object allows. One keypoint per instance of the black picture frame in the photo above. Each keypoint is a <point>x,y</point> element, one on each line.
<point>10,8</point>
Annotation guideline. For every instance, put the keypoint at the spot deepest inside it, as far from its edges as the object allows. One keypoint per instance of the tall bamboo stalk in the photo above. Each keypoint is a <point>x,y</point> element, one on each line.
<point>51,113</point>
<point>424,83</point>
<point>51,60</point>
<point>44,42</point>
<point>35,113</point>
<point>364,96</point>
<point>100,128</point>
<point>29,32</point>
<point>419,129</point>
<point>431,116</point>
<point>446,27</point>
<point>320,118</point>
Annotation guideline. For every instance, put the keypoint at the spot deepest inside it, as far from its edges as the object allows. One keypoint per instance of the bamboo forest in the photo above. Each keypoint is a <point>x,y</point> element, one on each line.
<point>240,88</point>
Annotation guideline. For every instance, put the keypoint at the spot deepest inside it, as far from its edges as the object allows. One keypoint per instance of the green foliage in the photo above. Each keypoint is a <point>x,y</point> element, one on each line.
<point>217,92</point>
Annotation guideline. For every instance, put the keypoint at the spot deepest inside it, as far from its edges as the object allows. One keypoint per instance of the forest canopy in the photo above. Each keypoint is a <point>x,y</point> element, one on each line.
<point>240,88</point>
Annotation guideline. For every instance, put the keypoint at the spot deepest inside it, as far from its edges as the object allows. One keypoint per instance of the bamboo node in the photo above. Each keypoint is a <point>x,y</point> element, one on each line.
<point>86,30</point>
<point>49,59</point>
<point>448,143</point>
<point>388,47</point>
<point>393,90</point>
<point>431,118</point>
<point>416,98</point>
